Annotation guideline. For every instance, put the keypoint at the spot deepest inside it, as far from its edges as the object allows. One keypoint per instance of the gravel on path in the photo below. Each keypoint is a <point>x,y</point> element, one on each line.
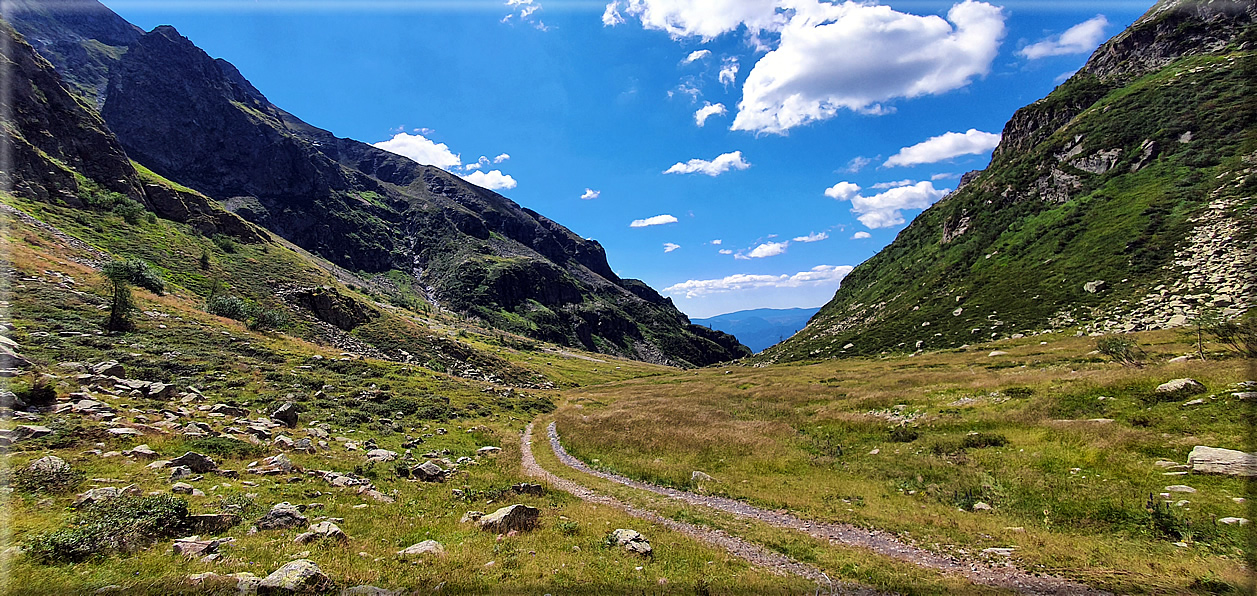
<point>751,552</point>
<point>882,543</point>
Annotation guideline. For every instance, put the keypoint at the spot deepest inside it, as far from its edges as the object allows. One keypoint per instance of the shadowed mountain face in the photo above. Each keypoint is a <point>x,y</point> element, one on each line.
<point>197,121</point>
<point>762,327</point>
<point>1122,201</point>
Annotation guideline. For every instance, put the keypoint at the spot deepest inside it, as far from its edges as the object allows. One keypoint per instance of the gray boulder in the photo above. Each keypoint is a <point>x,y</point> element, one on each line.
<point>1212,460</point>
<point>282,516</point>
<point>324,530</point>
<point>428,472</point>
<point>295,577</point>
<point>514,517</point>
<point>196,462</point>
<point>1180,388</point>
<point>632,541</point>
<point>427,547</point>
<point>50,464</point>
<point>287,414</point>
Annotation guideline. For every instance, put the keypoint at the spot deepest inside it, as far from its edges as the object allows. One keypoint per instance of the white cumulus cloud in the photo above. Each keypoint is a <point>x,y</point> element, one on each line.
<point>768,249</point>
<point>728,72</point>
<point>721,164</point>
<point>813,237</point>
<point>725,251</point>
<point>701,18</point>
<point>885,209</point>
<point>696,55</point>
<point>842,191</point>
<point>669,247</point>
<point>422,150</point>
<point>717,242</point>
<point>611,16</point>
<point>591,194</point>
<point>707,111</point>
<point>1079,39</point>
<point>657,220</point>
<point>819,275</point>
<point>944,146</point>
<point>501,157</point>
<point>861,235</point>
<point>856,56</point>
<point>493,180</point>
<point>856,164</point>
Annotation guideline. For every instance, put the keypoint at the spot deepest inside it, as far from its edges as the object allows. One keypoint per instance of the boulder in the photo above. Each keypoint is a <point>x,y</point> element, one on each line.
<point>526,488</point>
<point>514,517</point>
<point>488,450</point>
<point>1212,460</point>
<point>1180,388</point>
<point>109,368</point>
<point>282,516</point>
<point>631,541</point>
<point>141,452</point>
<point>196,462</point>
<point>295,577</point>
<point>49,464</point>
<point>30,431</point>
<point>193,547</point>
<point>428,472</point>
<point>179,472</point>
<point>320,531</point>
<point>1233,520</point>
<point>227,410</point>
<point>182,488</point>
<point>276,464</point>
<point>997,353</point>
<point>125,431</point>
<point>427,547</point>
<point>100,495</point>
<point>381,455</point>
<point>286,414</point>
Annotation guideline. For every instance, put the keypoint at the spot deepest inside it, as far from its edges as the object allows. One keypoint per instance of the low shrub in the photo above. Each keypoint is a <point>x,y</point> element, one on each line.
<point>224,243</point>
<point>121,524</point>
<point>904,434</point>
<point>45,481</point>
<point>980,440</point>
<point>39,393</point>
<point>138,273</point>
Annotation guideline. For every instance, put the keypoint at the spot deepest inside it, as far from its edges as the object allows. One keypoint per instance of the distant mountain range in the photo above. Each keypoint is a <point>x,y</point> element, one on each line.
<point>761,327</point>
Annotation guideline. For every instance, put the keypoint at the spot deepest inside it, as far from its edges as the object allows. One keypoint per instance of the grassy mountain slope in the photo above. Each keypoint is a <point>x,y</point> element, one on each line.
<point>199,122</point>
<point>1137,173</point>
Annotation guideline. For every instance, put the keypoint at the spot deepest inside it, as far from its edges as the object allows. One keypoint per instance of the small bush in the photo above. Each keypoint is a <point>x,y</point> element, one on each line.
<point>39,393</point>
<point>1239,336</point>
<point>130,211</point>
<point>1018,392</point>
<point>240,504</point>
<point>904,434</point>
<point>232,307</point>
<point>31,481</point>
<point>261,318</point>
<point>121,524</point>
<point>1121,349</point>
<point>568,527</point>
<point>224,243</point>
<point>136,272</point>
<point>980,440</point>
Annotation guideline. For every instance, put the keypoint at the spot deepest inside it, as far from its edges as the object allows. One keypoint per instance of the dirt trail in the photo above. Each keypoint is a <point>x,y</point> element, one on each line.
<point>749,551</point>
<point>882,543</point>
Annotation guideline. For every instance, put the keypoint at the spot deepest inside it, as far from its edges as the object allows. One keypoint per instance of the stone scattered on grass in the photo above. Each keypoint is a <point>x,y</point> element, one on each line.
<point>488,450</point>
<point>697,476</point>
<point>427,547</point>
<point>141,452</point>
<point>428,472</point>
<point>980,506</point>
<point>282,516</point>
<point>196,462</point>
<point>997,353</point>
<point>324,530</point>
<point>381,455</point>
<point>1179,488</point>
<point>1233,520</point>
<point>631,541</point>
<point>513,517</point>
<point>471,516</point>
<point>295,577</point>
<point>1212,460</point>
<point>286,414</point>
<point>1180,388</point>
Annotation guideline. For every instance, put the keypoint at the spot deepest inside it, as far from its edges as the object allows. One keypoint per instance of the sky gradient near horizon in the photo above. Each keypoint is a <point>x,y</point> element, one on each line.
<point>733,154</point>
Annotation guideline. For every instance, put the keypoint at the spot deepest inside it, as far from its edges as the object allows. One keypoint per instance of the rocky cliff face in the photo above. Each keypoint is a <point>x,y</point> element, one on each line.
<point>1123,201</point>
<point>62,151</point>
<point>197,121</point>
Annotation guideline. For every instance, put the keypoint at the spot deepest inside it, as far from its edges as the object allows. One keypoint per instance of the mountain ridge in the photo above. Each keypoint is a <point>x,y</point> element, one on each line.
<point>760,328</point>
<point>197,121</point>
<point>1122,201</point>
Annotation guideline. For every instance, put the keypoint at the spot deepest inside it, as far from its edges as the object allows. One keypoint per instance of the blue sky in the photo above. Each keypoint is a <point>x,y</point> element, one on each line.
<point>825,127</point>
